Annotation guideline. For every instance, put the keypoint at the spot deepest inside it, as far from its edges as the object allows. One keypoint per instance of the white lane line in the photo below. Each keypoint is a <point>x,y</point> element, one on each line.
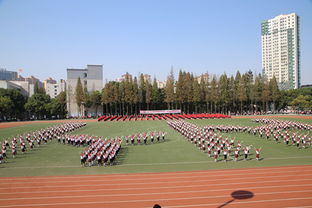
<point>238,202</point>
<point>252,175</point>
<point>152,164</point>
<point>142,200</point>
<point>192,181</point>
<point>301,207</point>
<point>140,194</point>
<point>148,188</point>
<point>161,173</point>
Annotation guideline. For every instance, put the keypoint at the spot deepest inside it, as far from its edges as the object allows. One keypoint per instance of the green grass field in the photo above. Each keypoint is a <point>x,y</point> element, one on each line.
<point>175,154</point>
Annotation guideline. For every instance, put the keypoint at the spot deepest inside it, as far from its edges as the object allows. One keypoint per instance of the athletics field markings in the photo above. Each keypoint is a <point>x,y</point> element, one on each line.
<point>151,164</point>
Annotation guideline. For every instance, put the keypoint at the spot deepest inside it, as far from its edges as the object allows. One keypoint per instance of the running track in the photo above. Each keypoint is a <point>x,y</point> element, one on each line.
<point>289,186</point>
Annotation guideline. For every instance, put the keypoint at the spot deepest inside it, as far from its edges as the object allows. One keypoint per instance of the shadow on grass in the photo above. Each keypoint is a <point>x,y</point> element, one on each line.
<point>121,155</point>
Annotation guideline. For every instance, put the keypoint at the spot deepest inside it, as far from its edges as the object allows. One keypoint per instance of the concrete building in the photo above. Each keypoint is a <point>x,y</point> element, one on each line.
<point>161,84</point>
<point>280,50</point>
<point>24,87</point>
<point>91,78</point>
<point>7,75</point>
<point>48,81</point>
<point>31,80</point>
<point>123,77</point>
<point>53,89</point>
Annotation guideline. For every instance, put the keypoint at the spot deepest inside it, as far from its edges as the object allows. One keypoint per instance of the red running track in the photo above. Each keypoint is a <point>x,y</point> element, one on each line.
<point>288,186</point>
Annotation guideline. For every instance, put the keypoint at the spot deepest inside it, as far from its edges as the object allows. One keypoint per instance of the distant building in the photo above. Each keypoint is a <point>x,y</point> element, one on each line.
<point>7,75</point>
<point>48,81</point>
<point>123,77</point>
<point>53,89</point>
<point>24,87</point>
<point>280,50</point>
<point>161,84</point>
<point>91,78</point>
<point>205,76</point>
<point>147,78</point>
<point>31,80</point>
<point>306,86</point>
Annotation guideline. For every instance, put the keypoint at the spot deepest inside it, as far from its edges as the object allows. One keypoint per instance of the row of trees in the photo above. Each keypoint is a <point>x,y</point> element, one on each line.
<point>13,105</point>
<point>235,94</point>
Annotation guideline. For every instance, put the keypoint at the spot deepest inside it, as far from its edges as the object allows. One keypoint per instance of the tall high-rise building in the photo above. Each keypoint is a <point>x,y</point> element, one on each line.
<point>280,50</point>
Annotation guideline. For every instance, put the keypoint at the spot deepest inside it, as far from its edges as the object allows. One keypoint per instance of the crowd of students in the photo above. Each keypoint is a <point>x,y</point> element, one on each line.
<point>98,151</point>
<point>33,140</point>
<point>145,138</point>
<point>281,131</point>
<point>214,144</point>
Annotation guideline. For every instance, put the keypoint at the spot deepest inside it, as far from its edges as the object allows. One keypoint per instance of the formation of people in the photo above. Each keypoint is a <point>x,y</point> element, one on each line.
<point>281,131</point>
<point>98,151</point>
<point>29,141</point>
<point>214,144</point>
<point>145,138</point>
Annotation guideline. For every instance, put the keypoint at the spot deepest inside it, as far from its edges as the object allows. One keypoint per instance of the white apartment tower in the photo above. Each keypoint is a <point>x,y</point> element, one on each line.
<point>280,50</point>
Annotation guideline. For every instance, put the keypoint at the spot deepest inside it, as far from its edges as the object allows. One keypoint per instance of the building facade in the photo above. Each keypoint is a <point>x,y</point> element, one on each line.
<point>8,75</point>
<point>280,50</point>
<point>24,87</point>
<point>55,88</point>
<point>91,79</point>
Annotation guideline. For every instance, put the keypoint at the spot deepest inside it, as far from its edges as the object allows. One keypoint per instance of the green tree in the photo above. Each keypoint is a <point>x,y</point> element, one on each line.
<point>224,92</point>
<point>155,96</point>
<point>135,91</point>
<point>18,102</point>
<point>242,94</point>
<point>169,90</point>
<point>302,102</point>
<point>95,99</point>
<point>5,107</point>
<point>38,105</point>
<point>214,93</point>
<point>79,95</point>
<point>148,94</point>
<point>142,92</point>
<point>275,92</point>
<point>38,90</point>
<point>196,95</point>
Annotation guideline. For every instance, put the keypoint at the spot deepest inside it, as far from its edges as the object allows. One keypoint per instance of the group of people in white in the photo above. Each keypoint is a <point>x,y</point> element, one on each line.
<point>99,151</point>
<point>214,144</point>
<point>145,138</point>
<point>282,131</point>
<point>34,139</point>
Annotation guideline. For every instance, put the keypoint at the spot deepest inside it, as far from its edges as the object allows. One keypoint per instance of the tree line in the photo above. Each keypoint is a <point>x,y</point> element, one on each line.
<point>239,93</point>
<point>15,106</point>
<point>242,93</point>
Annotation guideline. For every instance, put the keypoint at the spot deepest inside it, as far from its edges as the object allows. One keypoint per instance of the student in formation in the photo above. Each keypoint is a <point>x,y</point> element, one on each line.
<point>258,153</point>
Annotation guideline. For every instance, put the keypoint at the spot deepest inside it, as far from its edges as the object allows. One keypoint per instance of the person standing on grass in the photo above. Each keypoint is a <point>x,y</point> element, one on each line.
<point>13,151</point>
<point>258,153</point>
<point>246,151</point>
<point>152,137</point>
<point>209,150</point>
<point>225,154</point>
<point>1,158</point>
<point>145,138</point>
<point>215,155</point>
<point>236,154</point>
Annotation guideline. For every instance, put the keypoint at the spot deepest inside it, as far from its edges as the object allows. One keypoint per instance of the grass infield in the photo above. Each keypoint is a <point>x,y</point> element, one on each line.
<point>175,154</point>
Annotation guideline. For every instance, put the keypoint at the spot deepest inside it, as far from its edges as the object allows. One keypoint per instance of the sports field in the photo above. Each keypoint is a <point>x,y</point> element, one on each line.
<point>173,173</point>
<point>175,154</point>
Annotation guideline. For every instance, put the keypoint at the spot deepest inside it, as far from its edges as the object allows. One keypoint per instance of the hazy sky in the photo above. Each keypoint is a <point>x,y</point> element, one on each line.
<point>44,37</point>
